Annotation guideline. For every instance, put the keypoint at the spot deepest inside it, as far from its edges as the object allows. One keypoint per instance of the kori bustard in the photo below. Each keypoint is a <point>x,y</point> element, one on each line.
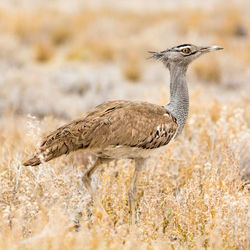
<point>126,129</point>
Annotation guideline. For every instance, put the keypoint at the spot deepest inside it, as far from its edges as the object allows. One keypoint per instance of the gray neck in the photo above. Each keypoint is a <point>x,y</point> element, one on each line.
<point>179,98</point>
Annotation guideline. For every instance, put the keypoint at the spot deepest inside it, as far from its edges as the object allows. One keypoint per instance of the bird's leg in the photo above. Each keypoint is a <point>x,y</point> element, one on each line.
<point>132,192</point>
<point>87,183</point>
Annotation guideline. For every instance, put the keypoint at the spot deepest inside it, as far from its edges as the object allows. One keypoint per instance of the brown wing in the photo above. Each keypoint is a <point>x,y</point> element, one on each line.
<point>135,124</point>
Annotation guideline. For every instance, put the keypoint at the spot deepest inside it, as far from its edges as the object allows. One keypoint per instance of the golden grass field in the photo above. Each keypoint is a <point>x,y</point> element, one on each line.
<point>55,64</point>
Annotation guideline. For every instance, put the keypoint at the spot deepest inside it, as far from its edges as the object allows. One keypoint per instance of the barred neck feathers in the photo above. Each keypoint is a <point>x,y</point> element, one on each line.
<point>179,97</point>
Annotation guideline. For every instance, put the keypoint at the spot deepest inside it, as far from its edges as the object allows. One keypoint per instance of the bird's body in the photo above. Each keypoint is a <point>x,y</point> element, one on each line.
<point>125,129</point>
<point>113,130</point>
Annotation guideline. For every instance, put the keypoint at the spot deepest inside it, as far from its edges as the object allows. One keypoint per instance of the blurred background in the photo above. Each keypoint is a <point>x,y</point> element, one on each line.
<point>61,58</point>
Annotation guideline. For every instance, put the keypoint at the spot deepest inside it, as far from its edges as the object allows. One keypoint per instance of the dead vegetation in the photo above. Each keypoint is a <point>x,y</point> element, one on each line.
<point>190,197</point>
<point>101,32</point>
<point>43,52</point>
<point>208,70</point>
<point>132,69</point>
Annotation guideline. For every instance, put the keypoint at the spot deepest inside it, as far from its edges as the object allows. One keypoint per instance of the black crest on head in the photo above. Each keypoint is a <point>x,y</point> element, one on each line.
<point>183,45</point>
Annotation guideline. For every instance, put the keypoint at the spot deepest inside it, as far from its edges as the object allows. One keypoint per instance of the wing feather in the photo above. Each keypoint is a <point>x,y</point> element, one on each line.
<point>135,125</point>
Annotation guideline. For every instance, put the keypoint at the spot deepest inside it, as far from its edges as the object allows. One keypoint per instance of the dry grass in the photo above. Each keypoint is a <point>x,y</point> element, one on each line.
<point>43,51</point>
<point>132,69</point>
<point>190,195</point>
<point>101,34</point>
<point>231,22</point>
<point>60,35</point>
<point>208,70</point>
<point>104,51</point>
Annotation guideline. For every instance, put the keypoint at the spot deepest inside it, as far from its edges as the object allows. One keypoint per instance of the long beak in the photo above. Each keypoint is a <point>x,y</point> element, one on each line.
<point>209,49</point>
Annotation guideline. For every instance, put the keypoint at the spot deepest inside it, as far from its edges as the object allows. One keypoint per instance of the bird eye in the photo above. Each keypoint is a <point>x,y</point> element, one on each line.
<point>186,50</point>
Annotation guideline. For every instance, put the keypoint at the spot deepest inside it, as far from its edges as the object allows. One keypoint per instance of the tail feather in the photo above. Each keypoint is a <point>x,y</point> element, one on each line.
<point>34,161</point>
<point>47,152</point>
<point>61,141</point>
<point>54,145</point>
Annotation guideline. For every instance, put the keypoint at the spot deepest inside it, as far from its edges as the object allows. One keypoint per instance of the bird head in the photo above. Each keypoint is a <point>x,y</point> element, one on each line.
<point>182,54</point>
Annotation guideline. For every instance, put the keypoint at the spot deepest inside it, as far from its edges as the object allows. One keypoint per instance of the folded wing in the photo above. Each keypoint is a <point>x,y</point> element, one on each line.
<point>116,123</point>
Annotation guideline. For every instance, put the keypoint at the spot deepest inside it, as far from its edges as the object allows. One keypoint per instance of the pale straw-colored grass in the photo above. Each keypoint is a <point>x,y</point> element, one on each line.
<point>190,196</point>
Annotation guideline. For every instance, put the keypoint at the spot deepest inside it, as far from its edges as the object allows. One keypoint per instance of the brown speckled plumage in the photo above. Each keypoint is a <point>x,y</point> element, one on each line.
<point>108,128</point>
